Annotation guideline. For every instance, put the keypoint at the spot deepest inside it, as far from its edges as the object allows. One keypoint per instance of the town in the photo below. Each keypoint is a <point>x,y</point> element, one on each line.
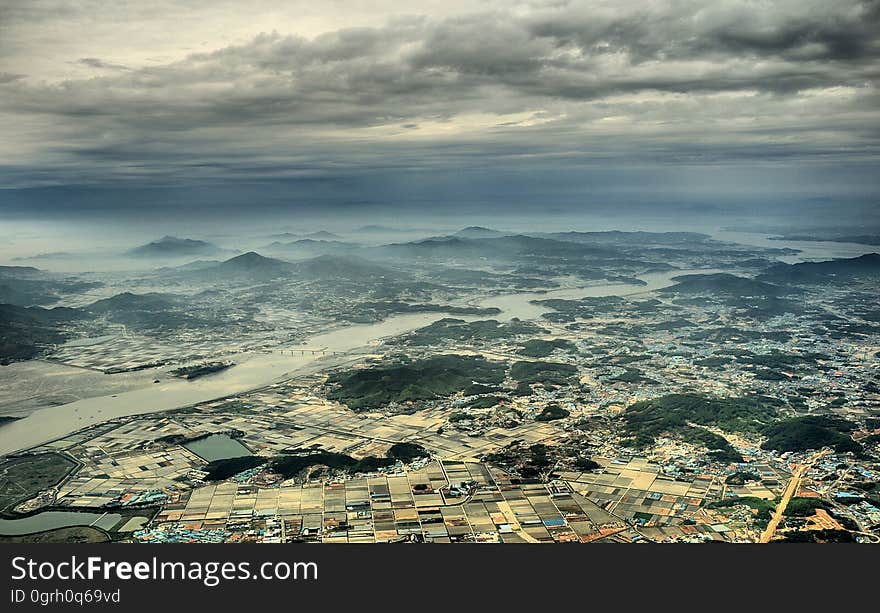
<point>714,407</point>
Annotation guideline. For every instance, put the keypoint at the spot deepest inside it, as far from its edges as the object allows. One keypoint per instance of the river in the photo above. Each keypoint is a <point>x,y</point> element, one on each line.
<point>520,304</point>
<point>259,369</point>
<point>809,250</point>
<point>252,370</point>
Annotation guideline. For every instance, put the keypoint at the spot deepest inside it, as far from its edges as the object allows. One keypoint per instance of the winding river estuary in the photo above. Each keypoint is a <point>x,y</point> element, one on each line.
<point>254,370</point>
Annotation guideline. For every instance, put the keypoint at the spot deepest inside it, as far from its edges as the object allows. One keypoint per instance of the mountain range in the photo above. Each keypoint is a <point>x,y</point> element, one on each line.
<point>842,270</point>
<point>173,247</point>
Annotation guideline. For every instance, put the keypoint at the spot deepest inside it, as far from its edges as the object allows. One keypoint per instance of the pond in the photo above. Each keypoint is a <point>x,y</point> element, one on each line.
<point>217,447</point>
<point>50,520</point>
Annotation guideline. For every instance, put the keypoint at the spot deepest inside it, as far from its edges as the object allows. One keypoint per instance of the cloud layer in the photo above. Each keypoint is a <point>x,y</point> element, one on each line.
<point>536,85</point>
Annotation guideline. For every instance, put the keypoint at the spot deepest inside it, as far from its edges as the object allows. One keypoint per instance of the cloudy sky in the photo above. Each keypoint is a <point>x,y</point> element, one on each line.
<point>354,100</point>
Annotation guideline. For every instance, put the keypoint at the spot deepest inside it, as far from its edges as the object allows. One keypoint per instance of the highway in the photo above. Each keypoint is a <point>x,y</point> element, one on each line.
<point>790,490</point>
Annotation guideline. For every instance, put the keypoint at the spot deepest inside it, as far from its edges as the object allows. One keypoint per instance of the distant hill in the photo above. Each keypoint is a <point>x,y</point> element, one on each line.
<point>155,311</point>
<point>26,292</point>
<point>250,261</point>
<point>50,255</point>
<point>478,232</point>
<point>329,267</point>
<point>865,266</point>
<point>321,235</point>
<point>10,313</point>
<point>127,301</point>
<point>28,286</point>
<point>309,247</point>
<point>567,257</point>
<point>20,272</point>
<point>171,246</point>
<point>502,246</point>
<point>25,333</point>
<point>723,284</point>
<point>753,298</point>
<point>250,265</point>
<point>194,265</point>
<point>629,238</point>
<point>442,246</point>
<point>376,233</point>
<point>379,229</point>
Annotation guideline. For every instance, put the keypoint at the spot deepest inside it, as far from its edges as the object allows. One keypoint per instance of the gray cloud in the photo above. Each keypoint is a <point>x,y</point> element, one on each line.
<point>93,62</point>
<point>549,84</point>
<point>799,32</point>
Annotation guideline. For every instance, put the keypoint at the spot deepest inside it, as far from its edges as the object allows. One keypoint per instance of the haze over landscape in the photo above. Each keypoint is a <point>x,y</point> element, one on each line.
<point>467,271</point>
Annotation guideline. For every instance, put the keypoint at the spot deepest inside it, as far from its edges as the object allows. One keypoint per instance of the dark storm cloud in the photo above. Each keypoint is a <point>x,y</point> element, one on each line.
<point>547,84</point>
<point>848,31</point>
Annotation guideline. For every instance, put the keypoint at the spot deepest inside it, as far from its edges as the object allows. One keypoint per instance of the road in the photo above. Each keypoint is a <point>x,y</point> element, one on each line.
<point>790,490</point>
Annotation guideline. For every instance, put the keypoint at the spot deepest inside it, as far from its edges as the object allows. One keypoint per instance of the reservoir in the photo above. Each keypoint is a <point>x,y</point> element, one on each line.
<point>49,520</point>
<point>217,447</point>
